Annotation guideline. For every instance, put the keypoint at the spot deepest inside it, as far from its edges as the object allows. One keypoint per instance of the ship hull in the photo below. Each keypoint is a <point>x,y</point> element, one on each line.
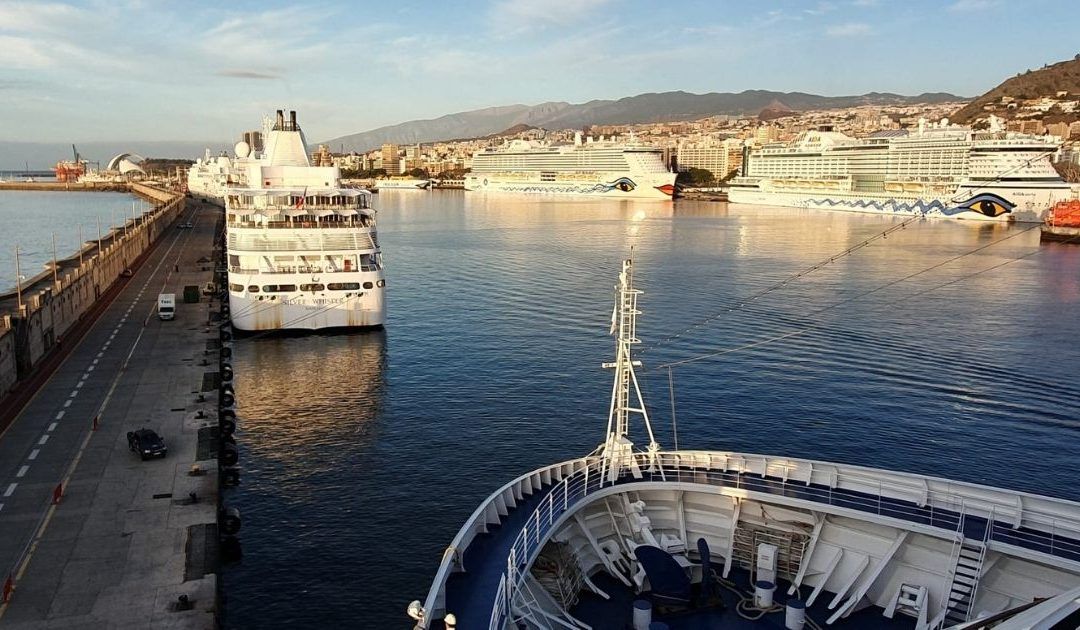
<point>304,311</point>
<point>1031,203</point>
<point>656,187</point>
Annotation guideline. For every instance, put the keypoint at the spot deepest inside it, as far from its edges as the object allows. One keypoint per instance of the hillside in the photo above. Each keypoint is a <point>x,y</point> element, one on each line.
<point>643,108</point>
<point>1033,84</point>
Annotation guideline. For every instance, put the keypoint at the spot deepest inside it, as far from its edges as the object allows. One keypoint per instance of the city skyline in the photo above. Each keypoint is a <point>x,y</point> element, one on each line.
<point>96,71</point>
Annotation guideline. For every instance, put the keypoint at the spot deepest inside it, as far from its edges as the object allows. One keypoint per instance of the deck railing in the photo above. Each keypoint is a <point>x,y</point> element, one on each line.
<point>1000,515</point>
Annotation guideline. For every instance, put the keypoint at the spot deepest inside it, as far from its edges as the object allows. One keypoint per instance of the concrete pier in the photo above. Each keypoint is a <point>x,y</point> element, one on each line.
<point>91,536</point>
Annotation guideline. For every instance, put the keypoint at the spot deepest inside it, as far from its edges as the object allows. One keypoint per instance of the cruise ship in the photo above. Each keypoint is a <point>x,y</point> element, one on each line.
<point>303,253</point>
<point>209,176</point>
<point>593,167</point>
<point>935,170</point>
<point>637,536</point>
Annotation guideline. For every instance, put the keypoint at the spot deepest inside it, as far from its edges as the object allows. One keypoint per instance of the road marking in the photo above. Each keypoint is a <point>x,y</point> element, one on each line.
<point>22,471</point>
<point>60,414</point>
<point>80,384</point>
<point>10,489</point>
<point>99,355</point>
<point>52,427</point>
<point>34,454</point>
<point>1,506</point>
<point>89,370</point>
<point>74,392</point>
<point>43,440</point>
<point>96,360</point>
<point>67,403</point>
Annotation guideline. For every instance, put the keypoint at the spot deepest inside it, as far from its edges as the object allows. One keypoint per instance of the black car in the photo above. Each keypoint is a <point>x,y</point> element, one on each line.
<point>146,443</point>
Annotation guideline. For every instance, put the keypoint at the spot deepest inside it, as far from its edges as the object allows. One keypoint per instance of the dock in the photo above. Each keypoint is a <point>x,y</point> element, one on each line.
<point>92,535</point>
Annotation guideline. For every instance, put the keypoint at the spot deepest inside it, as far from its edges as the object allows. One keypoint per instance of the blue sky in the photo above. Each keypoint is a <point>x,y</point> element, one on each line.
<point>178,70</point>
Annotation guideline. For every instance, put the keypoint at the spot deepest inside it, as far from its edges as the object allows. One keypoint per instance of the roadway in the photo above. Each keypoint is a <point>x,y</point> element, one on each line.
<point>115,550</point>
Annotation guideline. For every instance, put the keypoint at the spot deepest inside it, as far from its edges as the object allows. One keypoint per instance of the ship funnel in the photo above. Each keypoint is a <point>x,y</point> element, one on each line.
<point>280,119</point>
<point>292,118</point>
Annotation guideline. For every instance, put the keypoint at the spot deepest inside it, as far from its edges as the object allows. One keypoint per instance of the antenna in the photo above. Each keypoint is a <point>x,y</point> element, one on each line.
<point>617,449</point>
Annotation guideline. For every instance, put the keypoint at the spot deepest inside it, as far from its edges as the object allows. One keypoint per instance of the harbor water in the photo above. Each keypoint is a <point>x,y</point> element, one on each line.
<point>31,218</point>
<point>947,348</point>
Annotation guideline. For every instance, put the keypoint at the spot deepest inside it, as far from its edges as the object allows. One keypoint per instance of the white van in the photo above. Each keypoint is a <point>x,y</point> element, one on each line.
<point>166,305</point>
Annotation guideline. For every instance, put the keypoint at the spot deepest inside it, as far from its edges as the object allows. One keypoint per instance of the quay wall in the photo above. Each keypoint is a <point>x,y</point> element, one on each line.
<point>67,186</point>
<point>48,310</point>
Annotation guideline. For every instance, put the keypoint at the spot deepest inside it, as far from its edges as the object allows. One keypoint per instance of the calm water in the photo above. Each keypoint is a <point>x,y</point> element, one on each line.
<point>30,219</point>
<point>363,454</point>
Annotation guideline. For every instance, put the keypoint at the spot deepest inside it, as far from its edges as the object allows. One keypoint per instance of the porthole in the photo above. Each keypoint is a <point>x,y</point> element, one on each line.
<point>368,285</point>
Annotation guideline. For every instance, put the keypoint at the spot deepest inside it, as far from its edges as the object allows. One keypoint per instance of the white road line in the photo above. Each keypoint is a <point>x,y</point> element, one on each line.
<point>43,440</point>
<point>84,376</point>
<point>96,360</point>
<point>89,370</point>
<point>99,355</point>
<point>79,384</point>
<point>52,427</point>
<point>22,471</point>
<point>60,414</point>
<point>34,454</point>
<point>10,489</point>
<point>1,506</point>
<point>67,403</point>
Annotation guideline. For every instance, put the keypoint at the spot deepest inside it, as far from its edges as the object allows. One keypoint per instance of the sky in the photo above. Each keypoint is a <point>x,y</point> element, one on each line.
<point>173,70</point>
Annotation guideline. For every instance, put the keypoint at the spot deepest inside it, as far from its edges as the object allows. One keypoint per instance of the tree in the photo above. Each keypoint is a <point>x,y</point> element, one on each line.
<point>418,173</point>
<point>695,177</point>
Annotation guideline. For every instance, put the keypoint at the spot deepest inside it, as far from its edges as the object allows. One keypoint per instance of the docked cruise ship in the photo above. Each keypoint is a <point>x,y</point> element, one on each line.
<point>303,252</point>
<point>635,536</point>
<point>209,176</point>
<point>593,167</point>
<point>936,170</point>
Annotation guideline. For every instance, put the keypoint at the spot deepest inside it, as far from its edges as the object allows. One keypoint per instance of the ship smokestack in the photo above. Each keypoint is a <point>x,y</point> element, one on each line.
<point>280,119</point>
<point>292,118</point>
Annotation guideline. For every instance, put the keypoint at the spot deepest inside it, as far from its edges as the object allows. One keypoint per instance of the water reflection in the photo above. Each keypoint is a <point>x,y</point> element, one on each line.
<point>310,399</point>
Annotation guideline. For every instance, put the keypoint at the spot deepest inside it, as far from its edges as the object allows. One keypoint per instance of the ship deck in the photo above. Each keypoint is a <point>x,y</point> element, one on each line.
<point>471,594</point>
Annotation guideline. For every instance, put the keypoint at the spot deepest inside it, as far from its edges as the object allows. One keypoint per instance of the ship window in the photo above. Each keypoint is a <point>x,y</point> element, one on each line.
<point>279,288</point>
<point>343,286</point>
<point>312,287</point>
<point>368,285</point>
<point>236,288</point>
<point>234,260</point>
<point>253,288</point>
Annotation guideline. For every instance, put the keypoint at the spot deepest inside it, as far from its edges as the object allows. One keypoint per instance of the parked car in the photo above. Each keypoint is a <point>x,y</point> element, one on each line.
<point>146,443</point>
<point>127,273</point>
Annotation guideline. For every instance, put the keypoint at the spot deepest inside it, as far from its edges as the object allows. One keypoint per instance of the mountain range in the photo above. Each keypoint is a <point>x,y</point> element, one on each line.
<point>1063,76</point>
<point>643,108</point>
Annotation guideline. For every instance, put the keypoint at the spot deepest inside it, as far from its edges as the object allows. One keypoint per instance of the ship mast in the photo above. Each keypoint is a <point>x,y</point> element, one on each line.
<point>626,398</point>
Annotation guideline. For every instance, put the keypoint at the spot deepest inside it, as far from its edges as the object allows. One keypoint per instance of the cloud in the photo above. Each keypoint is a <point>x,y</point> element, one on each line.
<point>510,17</point>
<point>289,35</point>
<point>821,9</point>
<point>35,17</point>
<point>248,74</point>
<point>963,6</point>
<point>848,29</point>
<point>865,3</point>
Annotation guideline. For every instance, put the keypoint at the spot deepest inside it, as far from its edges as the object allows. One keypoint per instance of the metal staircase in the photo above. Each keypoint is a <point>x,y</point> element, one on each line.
<point>965,581</point>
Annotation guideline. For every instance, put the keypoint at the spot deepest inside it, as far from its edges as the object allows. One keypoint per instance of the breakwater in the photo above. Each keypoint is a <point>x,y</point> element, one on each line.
<point>36,319</point>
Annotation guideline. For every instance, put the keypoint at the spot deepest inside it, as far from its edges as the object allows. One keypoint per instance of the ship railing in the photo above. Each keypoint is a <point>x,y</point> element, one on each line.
<point>488,513</point>
<point>300,269</point>
<point>1030,522</point>
<point>362,222</point>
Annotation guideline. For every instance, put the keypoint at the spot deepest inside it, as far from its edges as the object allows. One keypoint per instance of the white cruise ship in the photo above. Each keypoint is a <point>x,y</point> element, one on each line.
<point>935,170</point>
<point>593,168</point>
<point>209,176</point>
<point>303,253</point>
<point>636,536</point>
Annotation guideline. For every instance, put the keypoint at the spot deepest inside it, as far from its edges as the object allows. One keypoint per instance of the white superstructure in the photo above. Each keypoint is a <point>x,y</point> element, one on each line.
<point>402,184</point>
<point>302,251</point>
<point>721,539</point>
<point>209,176</point>
<point>600,167</point>
<point>935,170</point>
